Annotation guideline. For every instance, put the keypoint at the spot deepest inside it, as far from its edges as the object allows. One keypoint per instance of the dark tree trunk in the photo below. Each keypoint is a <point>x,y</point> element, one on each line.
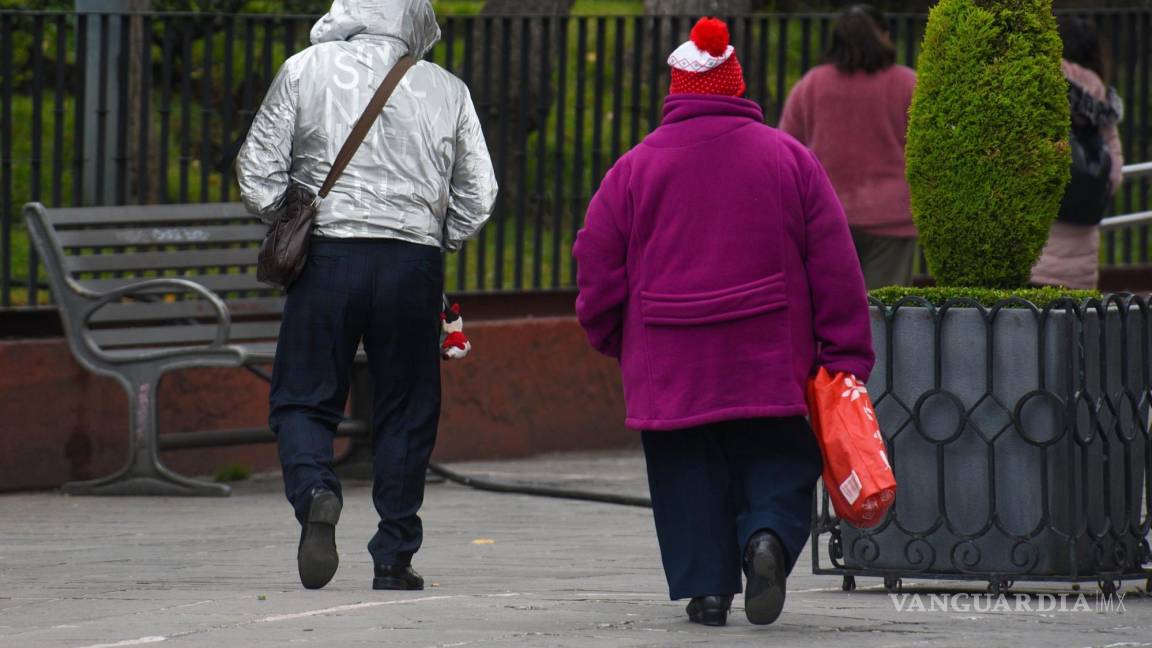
<point>511,14</point>
<point>147,166</point>
<point>529,97</point>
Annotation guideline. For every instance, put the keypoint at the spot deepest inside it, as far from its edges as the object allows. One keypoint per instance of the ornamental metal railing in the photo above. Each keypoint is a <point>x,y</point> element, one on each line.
<point>1020,441</point>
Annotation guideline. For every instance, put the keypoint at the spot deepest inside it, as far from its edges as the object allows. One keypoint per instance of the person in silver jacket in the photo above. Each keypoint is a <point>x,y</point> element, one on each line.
<point>422,175</point>
<point>421,182</point>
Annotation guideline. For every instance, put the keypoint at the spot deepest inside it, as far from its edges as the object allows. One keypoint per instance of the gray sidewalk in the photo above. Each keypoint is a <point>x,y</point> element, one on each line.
<point>506,570</point>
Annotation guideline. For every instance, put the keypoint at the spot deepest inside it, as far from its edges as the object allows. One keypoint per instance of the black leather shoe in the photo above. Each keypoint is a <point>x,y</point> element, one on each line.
<point>397,577</point>
<point>765,565</point>
<point>316,558</point>
<point>710,610</point>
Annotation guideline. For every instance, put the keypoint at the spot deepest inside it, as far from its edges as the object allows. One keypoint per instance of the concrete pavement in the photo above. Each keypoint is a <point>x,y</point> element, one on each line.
<point>505,570</point>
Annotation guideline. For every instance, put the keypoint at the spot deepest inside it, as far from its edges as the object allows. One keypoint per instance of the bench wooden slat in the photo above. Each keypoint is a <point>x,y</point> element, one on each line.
<point>181,235</point>
<point>221,283</point>
<point>146,214</point>
<point>187,309</point>
<point>182,259</point>
<point>181,334</point>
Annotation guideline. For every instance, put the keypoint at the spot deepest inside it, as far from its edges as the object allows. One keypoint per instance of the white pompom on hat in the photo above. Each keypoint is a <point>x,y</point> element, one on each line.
<point>708,48</point>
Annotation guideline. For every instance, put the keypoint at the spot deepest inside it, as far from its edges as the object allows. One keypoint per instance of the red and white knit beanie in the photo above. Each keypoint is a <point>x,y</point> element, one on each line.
<point>707,63</point>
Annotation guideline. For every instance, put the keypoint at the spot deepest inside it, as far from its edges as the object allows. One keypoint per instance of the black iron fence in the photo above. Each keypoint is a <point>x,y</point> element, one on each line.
<point>151,108</point>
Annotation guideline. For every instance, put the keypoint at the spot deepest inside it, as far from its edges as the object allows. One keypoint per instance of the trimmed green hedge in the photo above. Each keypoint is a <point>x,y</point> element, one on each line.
<point>984,296</point>
<point>988,153</point>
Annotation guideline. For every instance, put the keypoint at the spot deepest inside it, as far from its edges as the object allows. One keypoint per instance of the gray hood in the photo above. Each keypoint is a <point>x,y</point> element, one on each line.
<point>410,21</point>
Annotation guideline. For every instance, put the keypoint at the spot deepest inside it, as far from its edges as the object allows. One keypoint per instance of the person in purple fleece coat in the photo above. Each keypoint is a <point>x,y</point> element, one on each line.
<point>717,266</point>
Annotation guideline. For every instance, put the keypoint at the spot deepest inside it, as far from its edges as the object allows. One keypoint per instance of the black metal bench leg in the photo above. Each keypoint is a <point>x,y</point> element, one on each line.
<point>144,473</point>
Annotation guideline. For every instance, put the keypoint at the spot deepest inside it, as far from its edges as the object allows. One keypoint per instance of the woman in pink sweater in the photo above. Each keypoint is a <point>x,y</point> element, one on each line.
<point>1072,256</point>
<point>852,112</point>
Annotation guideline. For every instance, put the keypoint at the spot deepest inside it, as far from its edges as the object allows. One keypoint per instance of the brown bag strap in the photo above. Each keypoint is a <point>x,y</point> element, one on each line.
<point>364,124</point>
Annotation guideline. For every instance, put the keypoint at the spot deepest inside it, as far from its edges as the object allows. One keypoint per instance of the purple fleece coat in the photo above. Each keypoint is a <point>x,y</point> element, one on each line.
<point>716,264</point>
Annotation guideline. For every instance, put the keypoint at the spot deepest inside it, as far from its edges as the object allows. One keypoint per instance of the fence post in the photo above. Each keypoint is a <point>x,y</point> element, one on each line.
<point>95,152</point>
<point>104,78</point>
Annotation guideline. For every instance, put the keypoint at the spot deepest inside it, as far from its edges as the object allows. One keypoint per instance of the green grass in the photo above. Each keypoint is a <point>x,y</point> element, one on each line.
<point>233,473</point>
<point>23,185</point>
<point>608,7</point>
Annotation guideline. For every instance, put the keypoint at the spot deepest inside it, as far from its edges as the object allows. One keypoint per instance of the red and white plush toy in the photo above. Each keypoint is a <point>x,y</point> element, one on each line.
<point>454,345</point>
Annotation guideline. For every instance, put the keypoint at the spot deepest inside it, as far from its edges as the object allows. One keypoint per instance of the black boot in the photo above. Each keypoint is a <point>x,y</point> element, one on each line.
<point>765,565</point>
<point>397,577</point>
<point>316,558</point>
<point>710,610</point>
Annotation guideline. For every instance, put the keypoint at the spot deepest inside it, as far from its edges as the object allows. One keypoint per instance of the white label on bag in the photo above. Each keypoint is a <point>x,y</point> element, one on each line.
<point>850,488</point>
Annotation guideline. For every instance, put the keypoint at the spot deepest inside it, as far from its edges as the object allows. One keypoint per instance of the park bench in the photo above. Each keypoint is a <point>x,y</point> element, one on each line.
<point>145,290</point>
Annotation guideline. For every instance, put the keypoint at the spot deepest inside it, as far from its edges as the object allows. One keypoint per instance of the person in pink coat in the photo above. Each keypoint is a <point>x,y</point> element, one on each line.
<point>1071,258</point>
<point>717,266</point>
<point>852,111</point>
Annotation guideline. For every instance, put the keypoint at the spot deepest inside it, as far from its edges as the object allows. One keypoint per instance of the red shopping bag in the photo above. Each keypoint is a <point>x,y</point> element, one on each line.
<point>857,475</point>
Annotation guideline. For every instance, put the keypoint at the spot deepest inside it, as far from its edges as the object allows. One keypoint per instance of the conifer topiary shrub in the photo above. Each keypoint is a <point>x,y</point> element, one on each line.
<point>988,153</point>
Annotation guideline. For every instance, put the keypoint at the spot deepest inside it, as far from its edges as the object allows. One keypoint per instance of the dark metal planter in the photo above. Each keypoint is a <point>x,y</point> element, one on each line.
<point>1020,440</point>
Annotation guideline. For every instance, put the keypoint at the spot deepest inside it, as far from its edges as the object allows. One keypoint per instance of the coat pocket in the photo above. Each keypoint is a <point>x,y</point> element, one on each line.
<point>719,350</point>
<point>714,307</point>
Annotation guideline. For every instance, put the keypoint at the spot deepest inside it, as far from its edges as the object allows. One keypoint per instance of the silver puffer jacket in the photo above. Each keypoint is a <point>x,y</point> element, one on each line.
<point>422,175</point>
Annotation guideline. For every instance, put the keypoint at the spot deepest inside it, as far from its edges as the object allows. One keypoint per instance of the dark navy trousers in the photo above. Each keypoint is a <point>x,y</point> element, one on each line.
<point>713,487</point>
<point>386,294</point>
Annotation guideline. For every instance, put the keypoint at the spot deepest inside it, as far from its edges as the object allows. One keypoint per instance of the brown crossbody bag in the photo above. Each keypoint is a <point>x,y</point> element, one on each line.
<point>285,248</point>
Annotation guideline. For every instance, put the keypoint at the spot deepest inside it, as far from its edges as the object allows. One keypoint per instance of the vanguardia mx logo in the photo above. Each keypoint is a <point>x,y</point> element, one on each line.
<point>1012,604</point>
